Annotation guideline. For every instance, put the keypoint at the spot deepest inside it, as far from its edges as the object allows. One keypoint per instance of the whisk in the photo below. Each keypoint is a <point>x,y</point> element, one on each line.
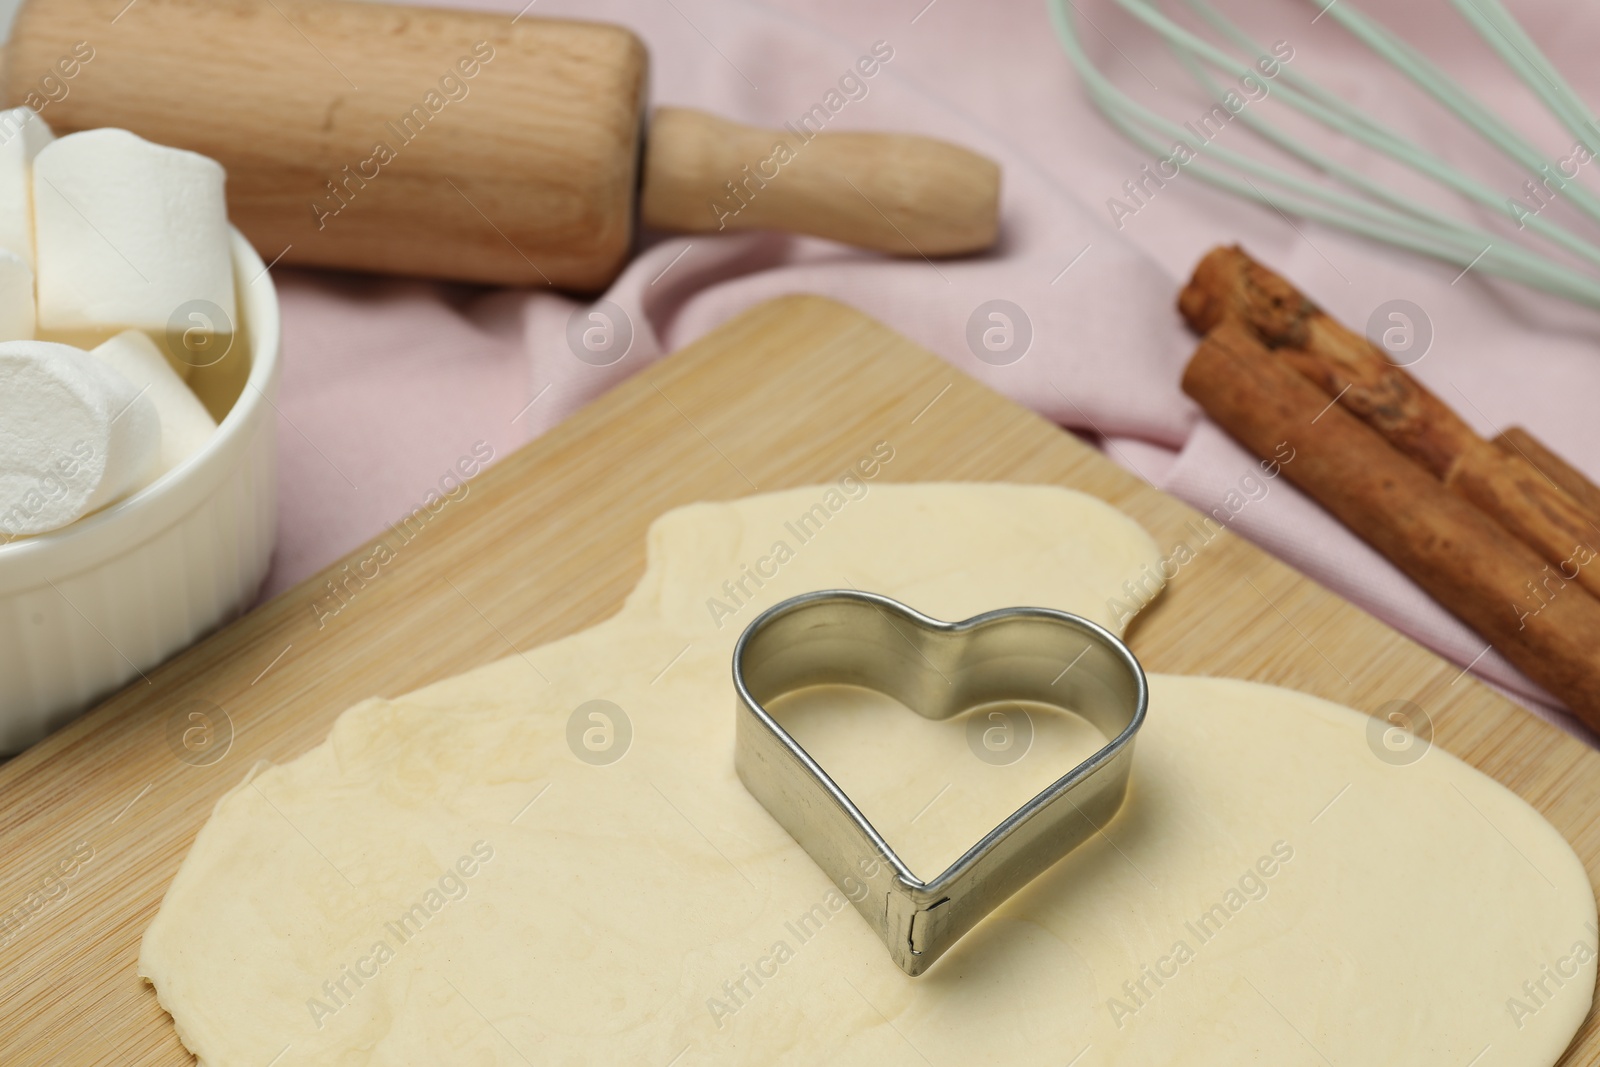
<point>1342,196</point>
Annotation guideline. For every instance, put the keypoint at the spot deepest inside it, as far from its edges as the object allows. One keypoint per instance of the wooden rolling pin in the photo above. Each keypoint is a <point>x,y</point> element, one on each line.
<point>470,146</point>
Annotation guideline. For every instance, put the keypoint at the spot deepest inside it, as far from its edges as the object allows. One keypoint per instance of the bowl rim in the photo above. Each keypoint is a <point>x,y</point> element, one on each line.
<point>32,562</point>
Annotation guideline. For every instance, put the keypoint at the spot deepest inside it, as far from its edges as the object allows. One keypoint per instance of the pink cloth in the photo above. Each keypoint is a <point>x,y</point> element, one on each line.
<point>388,384</point>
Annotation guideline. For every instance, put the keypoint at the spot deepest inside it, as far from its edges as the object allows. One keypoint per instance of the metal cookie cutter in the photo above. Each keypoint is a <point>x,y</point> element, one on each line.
<point>939,669</point>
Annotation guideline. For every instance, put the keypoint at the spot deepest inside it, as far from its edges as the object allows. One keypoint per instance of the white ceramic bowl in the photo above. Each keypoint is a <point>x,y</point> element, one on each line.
<point>86,608</point>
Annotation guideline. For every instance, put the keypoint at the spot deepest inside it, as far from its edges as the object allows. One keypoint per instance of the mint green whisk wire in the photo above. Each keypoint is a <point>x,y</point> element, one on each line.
<point>1395,147</point>
<point>1387,216</point>
<point>1421,70</point>
<point>1352,123</point>
<point>1466,237</point>
<point>1506,36</point>
<point>1114,102</point>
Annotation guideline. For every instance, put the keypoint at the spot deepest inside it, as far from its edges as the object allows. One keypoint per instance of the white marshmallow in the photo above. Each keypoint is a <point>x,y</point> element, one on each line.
<point>22,135</point>
<point>16,298</point>
<point>74,436</point>
<point>185,423</point>
<point>130,235</point>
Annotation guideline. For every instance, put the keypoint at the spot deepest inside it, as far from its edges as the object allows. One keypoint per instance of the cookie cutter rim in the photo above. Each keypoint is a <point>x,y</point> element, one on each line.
<point>841,636</point>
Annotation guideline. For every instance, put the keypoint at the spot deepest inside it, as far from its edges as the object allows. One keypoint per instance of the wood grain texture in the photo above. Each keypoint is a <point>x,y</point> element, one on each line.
<point>477,147</point>
<point>550,540</point>
<point>515,144</point>
<point>896,193</point>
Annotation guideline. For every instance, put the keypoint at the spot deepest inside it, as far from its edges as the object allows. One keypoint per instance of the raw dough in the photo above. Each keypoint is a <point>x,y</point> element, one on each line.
<point>446,881</point>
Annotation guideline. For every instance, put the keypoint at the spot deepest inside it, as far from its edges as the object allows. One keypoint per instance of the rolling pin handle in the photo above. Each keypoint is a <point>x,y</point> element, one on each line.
<point>897,193</point>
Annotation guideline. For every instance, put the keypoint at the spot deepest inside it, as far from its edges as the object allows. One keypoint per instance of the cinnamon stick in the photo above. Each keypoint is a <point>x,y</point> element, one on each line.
<point>1518,441</point>
<point>1459,555</point>
<point>1349,368</point>
<point>1229,284</point>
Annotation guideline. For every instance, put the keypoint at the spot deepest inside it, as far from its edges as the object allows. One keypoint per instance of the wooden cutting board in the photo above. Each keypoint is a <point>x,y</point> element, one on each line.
<point>548,542</point>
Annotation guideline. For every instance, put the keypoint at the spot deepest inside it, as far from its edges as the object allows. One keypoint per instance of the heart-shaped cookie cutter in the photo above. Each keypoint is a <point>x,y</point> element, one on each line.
<point>938,669</point>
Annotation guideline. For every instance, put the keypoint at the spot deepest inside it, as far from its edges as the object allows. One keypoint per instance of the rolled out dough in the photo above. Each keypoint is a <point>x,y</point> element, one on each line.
<point>470,875</point>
